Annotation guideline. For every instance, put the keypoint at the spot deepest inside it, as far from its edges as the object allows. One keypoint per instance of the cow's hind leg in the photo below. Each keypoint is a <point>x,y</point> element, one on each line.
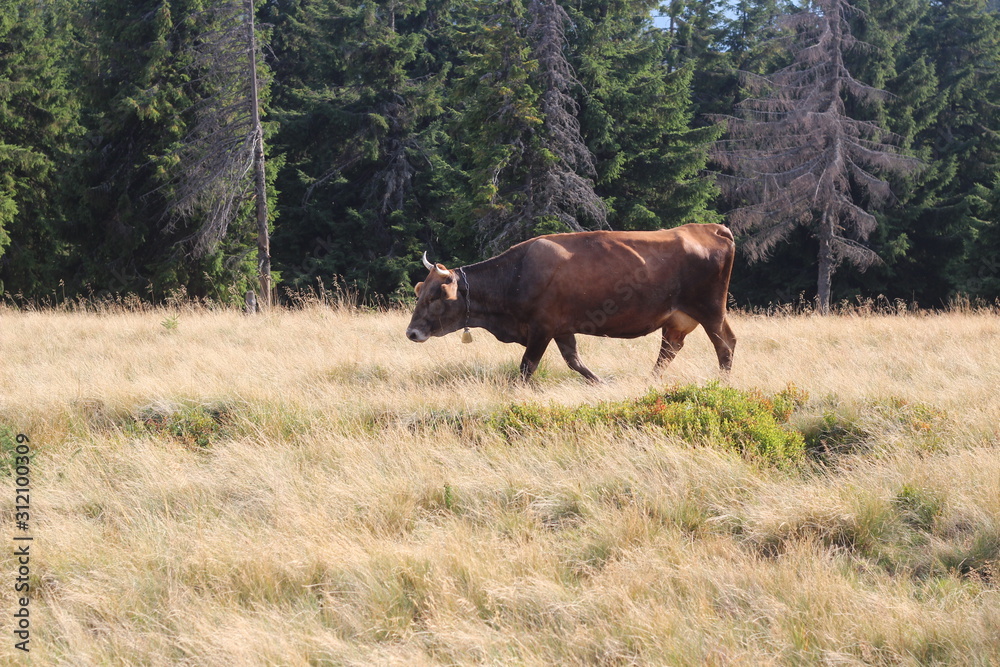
<point>677,327</point>
<point>567,346</point>
<point>533,354</point>
<point>724,340</point>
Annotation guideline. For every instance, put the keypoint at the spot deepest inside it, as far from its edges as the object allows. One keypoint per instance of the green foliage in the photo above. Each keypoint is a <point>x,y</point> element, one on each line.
<point>170,322</point>
<point>944,71</point>
<point>194,426</point>
<point>149,91</point>
<point>359,95</point>
<point>979,275</point>
<point>39,121</point>
<point>750,423</point>
<point>639,117</point>
<point>501,120</point>
<point>401,126</point>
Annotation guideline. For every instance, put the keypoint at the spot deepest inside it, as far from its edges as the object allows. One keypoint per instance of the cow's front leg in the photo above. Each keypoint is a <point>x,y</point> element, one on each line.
<point>567,346</point>
<point>673,341</point>
<point>533,352</point>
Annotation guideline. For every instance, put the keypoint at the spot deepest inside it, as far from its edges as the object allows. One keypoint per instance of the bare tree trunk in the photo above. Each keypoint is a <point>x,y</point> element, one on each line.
<point>826,264</point>
<point>260,184</point>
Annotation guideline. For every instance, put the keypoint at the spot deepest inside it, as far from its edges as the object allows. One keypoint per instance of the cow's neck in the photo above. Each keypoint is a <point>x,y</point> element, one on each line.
<point>490,288</point>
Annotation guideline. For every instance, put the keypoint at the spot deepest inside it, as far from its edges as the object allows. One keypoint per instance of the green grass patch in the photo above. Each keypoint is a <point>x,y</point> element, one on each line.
<point>859,429</point>
<point>751,423</point>
<point>195,426</point>
<point>918,507</point>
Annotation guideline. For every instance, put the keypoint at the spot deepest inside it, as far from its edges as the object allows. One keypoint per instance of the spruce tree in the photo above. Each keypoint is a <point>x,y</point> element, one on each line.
<point>133,101</point>
<point>638,117</point>
<point>957,133</point>
<point>144,89</point>
<point>39,122</point>
<point>693,29</point>
<point>359,95</point>
<point>979,275</point>
<point>564,188</point>
<point>218,168</point>
<point>531,170</point>
<point>798,158</point>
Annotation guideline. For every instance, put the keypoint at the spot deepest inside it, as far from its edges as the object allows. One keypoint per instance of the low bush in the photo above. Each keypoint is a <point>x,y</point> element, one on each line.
<point>194,426</point>
<point>748,422</point>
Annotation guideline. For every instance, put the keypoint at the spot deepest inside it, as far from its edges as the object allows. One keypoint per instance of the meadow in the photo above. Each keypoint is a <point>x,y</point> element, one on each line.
<point>308,487</point>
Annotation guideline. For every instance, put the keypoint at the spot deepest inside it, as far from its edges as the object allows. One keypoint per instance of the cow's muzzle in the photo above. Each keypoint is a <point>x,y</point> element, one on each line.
<point>416,335</point>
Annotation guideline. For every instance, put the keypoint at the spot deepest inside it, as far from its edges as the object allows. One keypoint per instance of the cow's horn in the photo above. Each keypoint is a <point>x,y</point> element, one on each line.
<point>444,273</point>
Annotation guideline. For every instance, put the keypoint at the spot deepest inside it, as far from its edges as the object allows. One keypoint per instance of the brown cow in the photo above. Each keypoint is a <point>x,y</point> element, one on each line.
<point>615,284</point>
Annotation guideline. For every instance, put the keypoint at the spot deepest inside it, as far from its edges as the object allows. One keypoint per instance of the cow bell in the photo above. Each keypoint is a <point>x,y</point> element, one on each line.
<point>466,336</point>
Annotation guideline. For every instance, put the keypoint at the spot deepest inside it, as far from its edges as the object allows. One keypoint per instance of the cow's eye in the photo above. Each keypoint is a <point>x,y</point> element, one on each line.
<point>435,307</point>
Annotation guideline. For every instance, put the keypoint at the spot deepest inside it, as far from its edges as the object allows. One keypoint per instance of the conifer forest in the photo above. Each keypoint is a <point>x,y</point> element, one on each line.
<point>157,147</point>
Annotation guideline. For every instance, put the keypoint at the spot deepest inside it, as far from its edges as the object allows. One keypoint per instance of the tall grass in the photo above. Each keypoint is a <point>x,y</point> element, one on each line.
<point>308,487</point>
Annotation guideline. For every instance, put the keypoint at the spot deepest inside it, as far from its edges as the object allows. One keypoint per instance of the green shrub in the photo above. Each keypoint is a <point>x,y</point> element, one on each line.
<point>170,322</point>
<point>748,422</point>
<point>194,426</point>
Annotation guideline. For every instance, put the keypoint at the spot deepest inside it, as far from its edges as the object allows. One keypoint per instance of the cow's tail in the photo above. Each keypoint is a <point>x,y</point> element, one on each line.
<point>725,233</point>
<point>727,257</point>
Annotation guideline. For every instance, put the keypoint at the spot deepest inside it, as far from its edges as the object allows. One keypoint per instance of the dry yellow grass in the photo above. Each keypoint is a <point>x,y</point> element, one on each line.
<point>323,525</point>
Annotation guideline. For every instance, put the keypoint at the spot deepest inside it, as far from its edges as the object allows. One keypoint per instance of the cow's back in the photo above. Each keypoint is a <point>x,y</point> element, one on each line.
<point>623,284</point>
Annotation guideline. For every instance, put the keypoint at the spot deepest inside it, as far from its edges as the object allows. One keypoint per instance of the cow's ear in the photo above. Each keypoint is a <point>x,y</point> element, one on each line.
<point>417,288</point>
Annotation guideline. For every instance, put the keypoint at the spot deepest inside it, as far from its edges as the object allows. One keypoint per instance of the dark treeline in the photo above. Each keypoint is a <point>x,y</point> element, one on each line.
<point>462,126</point>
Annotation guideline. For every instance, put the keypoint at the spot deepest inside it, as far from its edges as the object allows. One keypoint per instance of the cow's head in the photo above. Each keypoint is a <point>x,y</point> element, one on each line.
<point>440,308</point>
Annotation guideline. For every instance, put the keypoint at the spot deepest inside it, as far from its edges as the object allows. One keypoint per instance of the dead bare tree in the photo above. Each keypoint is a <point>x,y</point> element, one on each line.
<point>220,163</point>
<point>795,157</point>
<point>566,190</point>
<point>260,181</point>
